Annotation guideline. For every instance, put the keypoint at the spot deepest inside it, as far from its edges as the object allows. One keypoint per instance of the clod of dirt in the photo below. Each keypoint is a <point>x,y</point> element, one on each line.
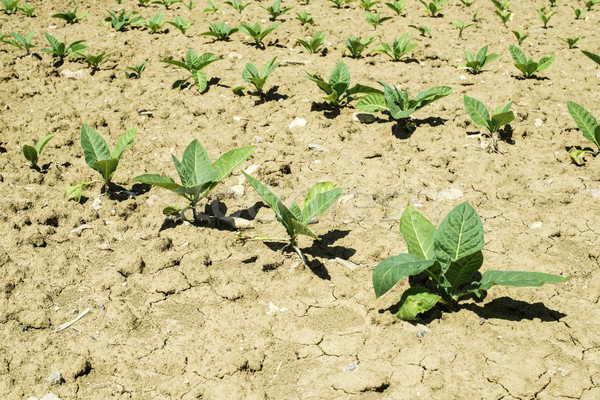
<point>55,378</point>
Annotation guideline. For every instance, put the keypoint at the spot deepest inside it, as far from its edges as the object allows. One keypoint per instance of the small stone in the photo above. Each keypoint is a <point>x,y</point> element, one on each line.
<point>101,306</point>
<point>97,204</point>
<point>272,308</point>
<point>421,333</point>
<point>346,263</point>
<point>536,225</point>
<point>81,228</point>
<point>233,54</point>
<point>598,74</point>
<point>237,222</point>
<point>462,77</point>
<point>450,194</point>
<point>538,122</point>
<point>238,190</point>
<point>55,378</point>
<point>363,118</point>
<point>298,122</point>
<point>350,367</point>
<point>50,396</point>
<point>237,118</point>
<point>481,321</point>
<point>153,199</point>
<point>72,75</point>
<point>317,147</point>
<point>594,192</point>
<point>257,139</point>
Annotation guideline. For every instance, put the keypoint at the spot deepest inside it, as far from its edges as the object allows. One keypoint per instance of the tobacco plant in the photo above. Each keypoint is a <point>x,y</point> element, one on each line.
<point>275,10</point>
<point>32,153</point>
<point>528,66</point>
<point>95,61</point>
<point>579,13</point>
<point>588,125</point>
<point>136,71</point>
<point>295,220</point>
<point>590,3</point>
<point>252,75</point>
<point>9,6</point>
<point>434,7</point>
<point>313,44</point>
<point>449,256</point>
<point>520,35</point>
<point>211,9</point>
<point>220,31</point>
<point>571,42</point>
<point>338,88</point>
<point>143,3</point>
<point>504,16</point>
<point>476,63</point>
<point>340,3</point>
<point>99,158</point>
<point>256,32</point>
<point>545,18</point>
<point>375,19</point>
<point>197,174</point>
<point>71,15</point>
<point>468,3</point>
<point>304,18</point>
<point>60,50</point>
<point>480,116</point>
<point>398,49</point>
<point>195,66</point>
<point>27,9</point>
<point>461,26</point>
<point>20,41</point>
<point>167,3</point>
<point>238,5</point>
<point>368,4</point>
<point>190,5</point>
<point>124,20</point>
<point>500,5</point>
<point>356,46</point>
<point>423,30</point>
<point>156,23</point>
<point>397,6</point>
<point>181,24</point>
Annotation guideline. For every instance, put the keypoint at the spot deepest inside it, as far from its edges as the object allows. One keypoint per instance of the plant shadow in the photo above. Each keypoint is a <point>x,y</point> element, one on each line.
<point>316,266</point>
<point>404,129</point>
<point>119,193</point>
<point>514,310</point>
<point>330,111</point>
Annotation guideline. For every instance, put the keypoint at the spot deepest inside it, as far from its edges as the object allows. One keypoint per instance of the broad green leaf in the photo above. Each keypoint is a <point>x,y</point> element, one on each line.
<point>528,69</point>
<point>592,56</point>
<point>176,63</point>
<point>192,60</point>
<point>320,204</point>
<point>184,175</point>
<point>584,119</point>
<point>324,86</point>
<point>482,53</point>
<point>206,59</point>
<point>52,40</point>
<point>301,229</point>
<point>597,137</point>
<point>169,184</point>
<point>250,72</point>
<point>501,119</point>
<point>415,301</point>
<point>42,142</point>
<point>268,68</point>
<point>30,154</point>
<point>334,97</point>
<point>429,96</point>
<point>196,162</point>
<point>372,102</point>
<point>461,271</point>
<point>75,192</point>
<point>391,270</point>
<point>94,146</point>
<point>317,189</point>
<point>175,209</point>
<point>230,160</point>
<point>504,108</point>
<point>359,88</point>
<point>517,55</point>
<point>418,233</point>
<point>477,111</point>
<point>200,79</point>
<point>460,234</point>
<point>126,140</point>
<point>296,211</point>
<point>106,168</point>
<point>545,62</point>
<point>515,278</point>
<point>578,156</point>
<point>340,77</point>
<point>470,58</point>
<point>272,200</point>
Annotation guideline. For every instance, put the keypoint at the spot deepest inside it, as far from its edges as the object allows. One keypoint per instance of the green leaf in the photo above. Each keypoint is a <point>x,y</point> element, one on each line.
<point>515,278</point>
<point>320,204</point>
<point>578,156</point>
<point>94,146</point>
<point>545,62</point>
<point>461,271</point>
<point>200,79</point>
<point>460,234</point>
<point>477,111</point>
<point>42,142</point>
<point>30,154</point>
<point>429,96</point>
<point>340,77</point>
<point>501,119</point>
<point>517,55</point>
<point>175,209</point>
<point>391,270</point>
<point>169,184</point>
<point>318,189</point>
<point>372,102</point>
<point>229,161</point>
<point>296,211</point>
<point>126,140</point>
<point>106,168</point>
<point>418,233</point>
<point>75,192</point>
<point>301,229</point>
<point>415,301</point>
<point>281,211</point>
<point>176,63</point>
<point>592,56</point>
<point>196,162</point>
<point>584,119</point>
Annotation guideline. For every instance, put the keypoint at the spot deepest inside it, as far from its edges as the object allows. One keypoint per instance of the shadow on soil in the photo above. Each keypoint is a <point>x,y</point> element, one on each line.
<point>403,129</point>
<point>514,310</point>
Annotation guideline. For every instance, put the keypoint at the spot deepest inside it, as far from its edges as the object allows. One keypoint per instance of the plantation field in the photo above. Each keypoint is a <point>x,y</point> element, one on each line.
<point>180,310</point>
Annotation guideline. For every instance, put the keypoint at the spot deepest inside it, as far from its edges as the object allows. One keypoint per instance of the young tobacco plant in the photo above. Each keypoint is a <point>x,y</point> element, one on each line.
<point>313,44</point>
<point>167,3</point>
<point>338,88</point>
<point>528,66</point>
<point>423,30</point>
<point>197,174</point>
<point>571,42</point>
<point>356,46</point>
<point>545,18</point>
<point>20,41</point>
<point>501,5</point>
<point>155,23</point>
<point>181,24</point>
<point>468,3</point>
<point>256,32</point>
<point>60,50</point>
<point>195,66</point>
<point>212,8</point>
<point>99,158</point>
<point>398,49</point>
<point>124,20</point>
<point>504,16</point>
<point>449,256</point>
<point>340,3</point>
<point>368,4</point>
<point>397,6</point>
<point>95,61</point>
<point>461,26</point>
<point>32,153</point>
<point>252,75</point>
<point>275,10</point>
<point>434,7</point>
<point>220,31</point>
<point>476,63</point>
<point>579,13</point>
<point>143,3</point>
<point>520,35</point>
<point>375,19</point>
<point>590,3</point>
<point>295,220</point>
<point>9,6</point>
<point>136,71</point>
<point>27,9</point>
<point>304,18</point>
<point>399,104</point>
<point>71,15</point>
<point>588,125</point>
<point>190,5</point>
<point>480,116</point>
<point>238,5</point>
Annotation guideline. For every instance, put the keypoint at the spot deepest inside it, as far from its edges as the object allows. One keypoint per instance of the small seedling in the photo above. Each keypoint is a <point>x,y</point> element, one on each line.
<point>27,9</point>
<point>304,18</point>
<point>212,8</point>
<point>545,18</point>
<point>476,63</point>
<point>313,44</point>
<point>95,61</point>
<point>9,6</point>
<point>480,116</point>
<point>220,31</point>
<point>449,256</point>
<point>124,20</point>
<point>256,32</point>
<point>167,3</point>
<point>474,18</point>
<point>195,66</point>
<point>527,66</point>
<point>399,104</point>
<point>181,24</point>
<point>99,158</point>
<point>340,3</point>
<point>592,56</point>
<point>434,7</point>
<point>368,4</point>
<point>552,3</point>
<point>156,23</point>
<point>143,3</point>
<point>20,41</point>
<point>397,6</point>
<point>275,10</point>
<point>579,13</point>
<point>60,50</point>
<point>338,88</point>
<point>423,30</point>
<point>238,5</point>
<point>356,46</point>
<point>398,49</point>
<point>295,220</point>
<point>190,5</point>
<point>32,153</point>
<point>502,6</point>
<point>197,174</point>
<point>71,15</point>
<point>588,125</point>
<point>136,71</point>
<point>252,75</point>
<point>462,26</point>
<point>520,35</point>
<point>504,16</point>
<point>590,3</point>
<point>571,42</point>
<point>468,3</point>
<point>375,19</point>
